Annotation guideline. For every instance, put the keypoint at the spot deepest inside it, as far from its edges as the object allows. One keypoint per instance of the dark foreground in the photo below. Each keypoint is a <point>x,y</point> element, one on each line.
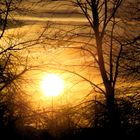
<point>30,133</point>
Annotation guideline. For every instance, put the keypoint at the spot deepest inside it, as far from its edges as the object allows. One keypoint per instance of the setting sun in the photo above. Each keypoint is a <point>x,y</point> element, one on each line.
<point>52,85</point>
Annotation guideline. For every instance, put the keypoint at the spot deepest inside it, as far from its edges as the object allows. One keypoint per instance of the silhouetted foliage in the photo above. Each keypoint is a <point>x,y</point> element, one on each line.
<point>111,109</point>
<point>112,41</point>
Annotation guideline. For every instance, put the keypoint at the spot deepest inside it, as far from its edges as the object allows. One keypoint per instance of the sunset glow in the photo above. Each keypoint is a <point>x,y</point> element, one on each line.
<point>52,85</point>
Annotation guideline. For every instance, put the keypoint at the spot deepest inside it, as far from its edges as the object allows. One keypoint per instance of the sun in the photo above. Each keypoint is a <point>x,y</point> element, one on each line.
<point>52,85</point>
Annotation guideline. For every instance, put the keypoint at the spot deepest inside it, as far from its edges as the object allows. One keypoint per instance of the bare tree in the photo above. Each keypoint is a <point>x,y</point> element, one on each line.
<point>107,40</point>
<point>109,43</point>
<point>14,64</point>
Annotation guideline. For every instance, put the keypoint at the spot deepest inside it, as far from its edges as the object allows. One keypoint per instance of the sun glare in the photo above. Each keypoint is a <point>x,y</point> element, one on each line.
<point>52,85</point>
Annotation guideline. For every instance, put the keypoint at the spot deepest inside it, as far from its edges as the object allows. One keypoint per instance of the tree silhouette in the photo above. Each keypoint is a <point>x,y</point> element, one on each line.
<point>14,64</point>
<point>111,41</point>
<point>107,46</point>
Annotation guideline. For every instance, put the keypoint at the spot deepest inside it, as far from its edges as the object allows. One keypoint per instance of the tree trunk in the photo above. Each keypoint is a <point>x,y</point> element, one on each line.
<point>112,112</point>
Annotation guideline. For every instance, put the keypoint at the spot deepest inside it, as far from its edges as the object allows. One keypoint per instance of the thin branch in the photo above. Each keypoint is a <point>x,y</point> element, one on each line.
<point>117,66</point>
<point>6,17</point>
